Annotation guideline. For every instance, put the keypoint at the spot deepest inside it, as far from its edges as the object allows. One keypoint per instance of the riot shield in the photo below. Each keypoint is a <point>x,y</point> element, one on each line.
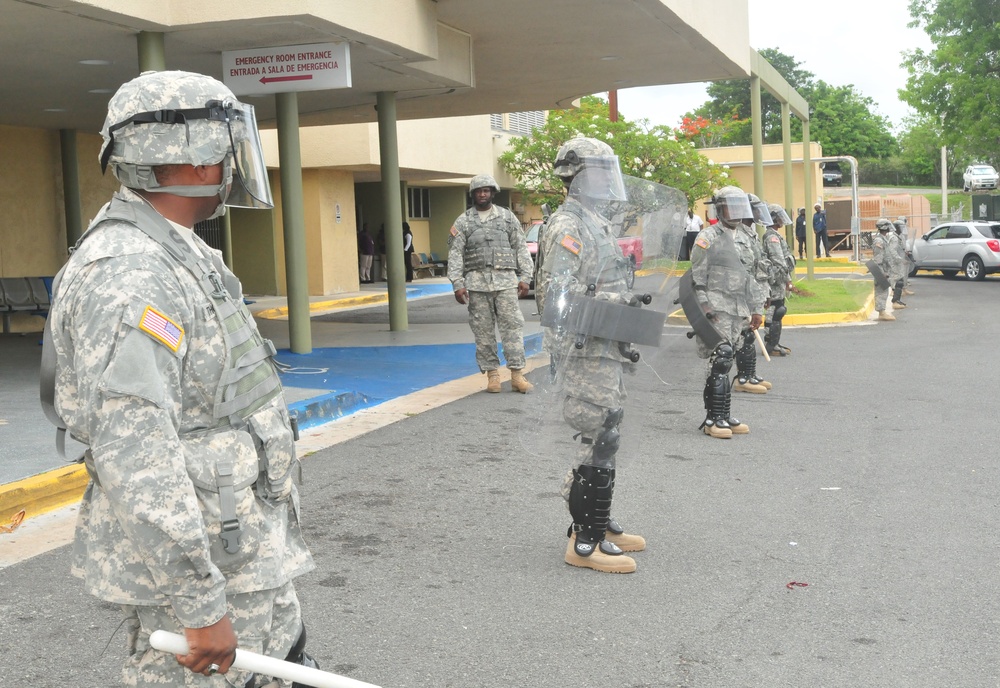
<point>606,283</point>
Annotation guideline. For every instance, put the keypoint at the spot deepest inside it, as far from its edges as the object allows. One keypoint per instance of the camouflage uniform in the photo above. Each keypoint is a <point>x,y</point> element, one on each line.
<point>885,255</point>
<point>725,288</point>
<point>488,256</point>
<point>757,266</point>
<point>781,268</point>
<point>192,511</point>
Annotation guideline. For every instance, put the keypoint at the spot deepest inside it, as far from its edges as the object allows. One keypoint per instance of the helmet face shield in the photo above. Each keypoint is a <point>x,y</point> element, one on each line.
<point>761,215</point>
<point>600,178</point>
<point>779,216</point>
<point>733,207</point>
<point>253,189</point>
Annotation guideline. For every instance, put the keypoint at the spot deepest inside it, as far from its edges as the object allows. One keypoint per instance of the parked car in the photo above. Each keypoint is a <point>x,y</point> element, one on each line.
<point>631,247</point>
<point>978,177</point>
<point>832,176</point>
<point>972,247</point>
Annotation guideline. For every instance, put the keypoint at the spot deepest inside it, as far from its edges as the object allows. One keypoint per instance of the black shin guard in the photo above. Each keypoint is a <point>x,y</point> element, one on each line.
<point>897,291</point>
<point>590,505</point>
<point>717,387</point>
<point>746,359</point>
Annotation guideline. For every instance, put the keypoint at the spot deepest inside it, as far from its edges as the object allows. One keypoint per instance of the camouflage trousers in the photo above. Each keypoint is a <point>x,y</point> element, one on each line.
<point>490,311</point>
<point>881,296</point>
<point>266,622</point>
<point>730,327</point>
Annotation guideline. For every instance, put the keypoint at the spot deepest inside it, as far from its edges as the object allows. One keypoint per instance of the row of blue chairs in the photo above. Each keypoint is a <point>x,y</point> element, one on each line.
<point>30,295</point>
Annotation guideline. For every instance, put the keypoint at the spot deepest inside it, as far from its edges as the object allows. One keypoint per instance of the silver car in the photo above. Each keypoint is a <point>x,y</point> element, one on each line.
<point>972,247</point>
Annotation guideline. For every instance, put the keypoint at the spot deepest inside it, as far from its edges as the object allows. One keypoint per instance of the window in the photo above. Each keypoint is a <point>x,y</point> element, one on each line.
<point>522,123</point>
<point>418,202</point>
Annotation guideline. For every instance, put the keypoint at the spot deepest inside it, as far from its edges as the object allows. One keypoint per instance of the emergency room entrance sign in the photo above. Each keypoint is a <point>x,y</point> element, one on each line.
<point>314,67</point>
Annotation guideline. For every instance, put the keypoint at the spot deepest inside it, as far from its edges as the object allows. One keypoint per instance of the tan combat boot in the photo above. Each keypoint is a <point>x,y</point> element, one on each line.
<point>493,381</point>
<point>598,559</point>
<point>518,383</point>
<point>886,315</point>
<point>748,386</point>
<point>626,542</point>
<point>713,429</point>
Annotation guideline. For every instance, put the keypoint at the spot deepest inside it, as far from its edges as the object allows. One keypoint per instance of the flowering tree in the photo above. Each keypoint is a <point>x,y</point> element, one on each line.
<point>655,154</point>
<point>709,133</point>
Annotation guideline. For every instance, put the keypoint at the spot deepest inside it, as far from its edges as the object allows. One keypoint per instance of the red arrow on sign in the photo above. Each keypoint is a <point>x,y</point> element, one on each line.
<point>302,77</point>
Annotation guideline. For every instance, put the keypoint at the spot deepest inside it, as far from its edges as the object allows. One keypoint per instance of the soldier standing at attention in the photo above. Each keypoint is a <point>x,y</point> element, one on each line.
<point>581,255</point>
<point>781,267</point>
<point>190,520</point>
<point>756,265</point>
<point>885,257</point>
<point>727,294</point>
<point>490,267</point>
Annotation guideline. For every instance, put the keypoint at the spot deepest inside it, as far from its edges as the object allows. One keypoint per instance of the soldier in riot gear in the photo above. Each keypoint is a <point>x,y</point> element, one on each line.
<point>902,231</point>
<point>781,267</point>
<point>581,256</point>
<point>898,248</point>
<point>885,257</point>
<point>753,259</point>
<point>190,520</point>
<point>730,298</point>
<point>490,267</point>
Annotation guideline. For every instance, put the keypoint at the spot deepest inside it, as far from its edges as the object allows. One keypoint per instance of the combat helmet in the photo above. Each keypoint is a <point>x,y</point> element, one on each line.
<point>778,215</point>
<point>183,118</point>
<point>731,205</point>
<point>590,168</point>
<point>484,180</point>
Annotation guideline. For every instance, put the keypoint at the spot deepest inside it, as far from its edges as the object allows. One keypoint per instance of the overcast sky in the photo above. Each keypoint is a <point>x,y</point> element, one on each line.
<point>855,42</point>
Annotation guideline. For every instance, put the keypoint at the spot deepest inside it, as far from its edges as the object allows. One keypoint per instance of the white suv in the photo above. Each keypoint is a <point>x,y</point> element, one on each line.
<point>979,177</point>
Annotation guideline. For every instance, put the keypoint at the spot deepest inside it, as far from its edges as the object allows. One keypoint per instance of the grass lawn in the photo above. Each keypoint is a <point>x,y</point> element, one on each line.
<point>834,295</point>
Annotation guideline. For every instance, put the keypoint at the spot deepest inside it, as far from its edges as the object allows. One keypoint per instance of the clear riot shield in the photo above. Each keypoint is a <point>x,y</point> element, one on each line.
<point>605,286</point>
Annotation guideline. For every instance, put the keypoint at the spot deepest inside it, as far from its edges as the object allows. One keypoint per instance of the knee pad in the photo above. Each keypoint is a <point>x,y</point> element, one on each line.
<point>722,358</point>
<point>779,310</point>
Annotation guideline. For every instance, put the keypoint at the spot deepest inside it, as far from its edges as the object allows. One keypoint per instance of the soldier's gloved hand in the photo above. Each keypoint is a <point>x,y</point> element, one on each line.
<point>462,295</point>
<point>522,289</point>
<point>756,320</point>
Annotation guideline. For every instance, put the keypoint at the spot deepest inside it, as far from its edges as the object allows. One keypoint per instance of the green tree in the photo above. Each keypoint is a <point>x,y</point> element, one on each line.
<point>646,153</point>
<point>845,123</point>
<point>957,81</point>
<point>731,99</point>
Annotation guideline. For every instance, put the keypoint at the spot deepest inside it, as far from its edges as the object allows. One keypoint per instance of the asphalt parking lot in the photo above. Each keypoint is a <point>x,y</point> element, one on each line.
<point>849,540</point>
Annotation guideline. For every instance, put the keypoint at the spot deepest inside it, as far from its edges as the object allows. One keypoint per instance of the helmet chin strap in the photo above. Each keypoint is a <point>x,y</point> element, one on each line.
<point>204,191</point>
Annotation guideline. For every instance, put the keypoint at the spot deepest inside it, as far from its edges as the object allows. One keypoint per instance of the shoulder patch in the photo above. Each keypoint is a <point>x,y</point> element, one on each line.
<point>701,242</point>
<point>454,230</point>
<point>161,328</point>
<point>775,239</point>
<point>571,244</point>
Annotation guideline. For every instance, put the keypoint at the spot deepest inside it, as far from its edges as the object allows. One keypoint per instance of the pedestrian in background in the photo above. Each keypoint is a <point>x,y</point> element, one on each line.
<point>819,228</point>
<point>366,248</point>
<point>694,225</point>
<point>408,251</point>
<point>800,232</point>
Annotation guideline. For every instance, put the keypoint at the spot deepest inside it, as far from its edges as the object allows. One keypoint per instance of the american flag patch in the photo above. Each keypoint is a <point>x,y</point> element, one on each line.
<point>571,245</point>
<point>701,242</point>
<point>453,231</point>
<point>161,328</point>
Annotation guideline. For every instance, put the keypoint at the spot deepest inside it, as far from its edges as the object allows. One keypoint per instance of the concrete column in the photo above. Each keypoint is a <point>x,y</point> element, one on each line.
<point>293,219</point>
<point>807,169</point>
<point>392,203</point>
<point>152,57</point>
<point>757,131</point>
<point>71,185</point>
<point>786,153</point>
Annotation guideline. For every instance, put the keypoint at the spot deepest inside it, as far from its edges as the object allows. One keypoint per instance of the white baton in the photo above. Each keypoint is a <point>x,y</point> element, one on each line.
<point>763,349</point>
<point>165,641</point>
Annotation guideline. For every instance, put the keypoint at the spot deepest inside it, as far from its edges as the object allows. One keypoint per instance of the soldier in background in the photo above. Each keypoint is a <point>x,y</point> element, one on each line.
<point>729,297</point>
<point>581,249</point>
<point>902,231</point>
<point>752,256</point>
<point>885,256</point>
<point>899,266</point>
<point>190,521</point>
<point>490,268</point>
<point>781,267</point>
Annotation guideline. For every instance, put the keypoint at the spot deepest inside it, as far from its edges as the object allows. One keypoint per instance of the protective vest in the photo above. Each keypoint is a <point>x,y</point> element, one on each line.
<point>487,244</point>
<point>605,264</point>
<point>727,283</point>
<point>249,379</point>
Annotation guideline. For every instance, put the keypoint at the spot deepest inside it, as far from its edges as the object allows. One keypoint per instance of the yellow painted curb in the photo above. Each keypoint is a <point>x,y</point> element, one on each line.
<point>42,493</point>
<point>282,312</point>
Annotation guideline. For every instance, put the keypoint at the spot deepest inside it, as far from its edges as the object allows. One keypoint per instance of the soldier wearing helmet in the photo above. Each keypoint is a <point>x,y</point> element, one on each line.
<point>731,299</point>
<point>886,258</point>
<point>581,256</point>
<point>757,267</point>
<point>781,267</point>
<point>190,519</point>
<point>490,268</point>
